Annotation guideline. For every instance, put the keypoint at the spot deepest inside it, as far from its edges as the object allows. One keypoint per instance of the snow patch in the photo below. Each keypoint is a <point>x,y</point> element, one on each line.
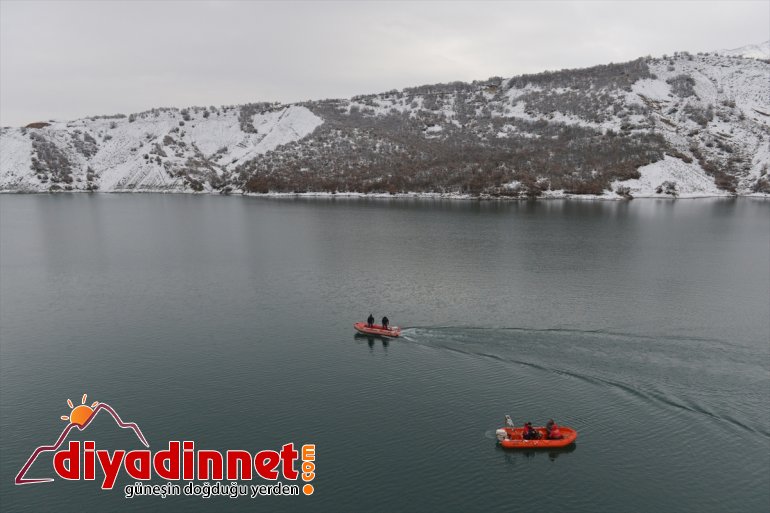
<point>15,151</point>
<point>690,179</point>
<point>760,51</point>
<point>284,126</point>
<point>654,89</point>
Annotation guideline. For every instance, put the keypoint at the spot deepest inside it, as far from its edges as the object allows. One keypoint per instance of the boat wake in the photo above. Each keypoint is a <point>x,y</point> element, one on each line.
<point>636,365</point>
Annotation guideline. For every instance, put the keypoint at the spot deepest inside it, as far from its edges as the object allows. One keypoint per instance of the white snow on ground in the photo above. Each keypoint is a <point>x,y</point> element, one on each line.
<point>384,106</point>
<point>690,179</point>
<point>15,150</point>
<point>506,130</point>
<point>282,127</point>
<point>120,158</point>
<point>519,110</point>
<point>216,132</point>
<point>760,51</point>
<point>654,89</point>
<point>760,164</point>
<point>120,161</point>
<point>273,128</point>
<point>433,131</point>
<point>514,93</point>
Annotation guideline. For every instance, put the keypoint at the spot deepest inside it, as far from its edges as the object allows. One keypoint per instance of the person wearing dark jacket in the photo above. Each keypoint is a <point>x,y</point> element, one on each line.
<point>370,321</point>
<point>385,322</point>
<point>529,432</point>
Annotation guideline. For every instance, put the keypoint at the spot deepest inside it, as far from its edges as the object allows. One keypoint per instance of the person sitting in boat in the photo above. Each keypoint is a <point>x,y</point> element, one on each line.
<point>370,320</point>
<point>552,431</point>
<point>385,323</point>
<point>527,433</point>
<point>530,433</point>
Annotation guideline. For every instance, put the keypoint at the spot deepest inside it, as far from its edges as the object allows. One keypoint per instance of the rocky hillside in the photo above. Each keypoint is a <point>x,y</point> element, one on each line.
<point>681,125</point>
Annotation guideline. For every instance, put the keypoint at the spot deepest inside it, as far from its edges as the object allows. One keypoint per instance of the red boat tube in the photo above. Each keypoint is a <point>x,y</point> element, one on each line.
<point>511,438</point>
<point>378,330</point>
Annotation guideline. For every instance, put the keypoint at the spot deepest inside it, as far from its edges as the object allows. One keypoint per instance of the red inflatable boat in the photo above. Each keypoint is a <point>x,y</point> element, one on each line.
<point>378,330</point>
<point>510,438</point>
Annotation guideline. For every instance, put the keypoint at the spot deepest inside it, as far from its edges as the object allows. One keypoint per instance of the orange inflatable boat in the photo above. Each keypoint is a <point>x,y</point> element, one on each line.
<point>511,438</point>
<point>378,330</point>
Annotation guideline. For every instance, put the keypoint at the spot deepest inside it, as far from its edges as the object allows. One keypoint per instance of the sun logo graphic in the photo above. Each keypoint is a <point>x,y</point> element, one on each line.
<point>82,413</point>
<point>80,417</point>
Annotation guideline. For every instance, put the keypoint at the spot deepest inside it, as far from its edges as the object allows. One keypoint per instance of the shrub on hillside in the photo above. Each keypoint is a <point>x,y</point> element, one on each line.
<point>668,187</point>
<point>49,161</point>
<point>682,85</point>
<point>699,114</point>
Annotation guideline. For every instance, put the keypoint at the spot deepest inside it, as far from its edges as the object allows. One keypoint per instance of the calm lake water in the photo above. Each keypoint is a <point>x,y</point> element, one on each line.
<point>228,321</point>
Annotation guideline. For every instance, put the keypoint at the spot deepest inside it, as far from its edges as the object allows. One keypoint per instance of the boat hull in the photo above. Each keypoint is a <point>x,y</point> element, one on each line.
<point>516,441</point>
<point>377,330</point>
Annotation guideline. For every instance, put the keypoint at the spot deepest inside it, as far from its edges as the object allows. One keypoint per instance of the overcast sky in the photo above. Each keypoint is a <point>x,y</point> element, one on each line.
<point>68,59</point>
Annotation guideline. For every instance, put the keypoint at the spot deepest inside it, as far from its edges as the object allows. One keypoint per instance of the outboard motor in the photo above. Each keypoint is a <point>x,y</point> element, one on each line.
<point>502,433</point>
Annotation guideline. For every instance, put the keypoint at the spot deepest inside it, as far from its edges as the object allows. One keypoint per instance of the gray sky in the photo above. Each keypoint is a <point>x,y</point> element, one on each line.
<point>67,59</point>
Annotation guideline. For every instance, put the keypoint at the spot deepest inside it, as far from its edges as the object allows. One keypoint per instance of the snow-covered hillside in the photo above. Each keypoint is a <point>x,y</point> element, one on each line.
<point>681,125</point>
<point>152,151</point>
<point>760,51</point>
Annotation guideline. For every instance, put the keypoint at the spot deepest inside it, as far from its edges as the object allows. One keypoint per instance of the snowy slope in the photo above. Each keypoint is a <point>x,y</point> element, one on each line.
<point>698,124</point>
<point>152,151</point>
<point>15,151</point>
<point>739,97</point>
<point>760,51</point>
<point>686,180</point>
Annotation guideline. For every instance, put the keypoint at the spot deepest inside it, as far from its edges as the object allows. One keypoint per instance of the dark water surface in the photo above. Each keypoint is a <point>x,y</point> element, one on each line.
<point>645,325</point>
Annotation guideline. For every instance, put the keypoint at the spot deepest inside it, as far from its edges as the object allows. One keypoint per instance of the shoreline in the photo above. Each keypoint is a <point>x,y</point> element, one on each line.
<point>554,195</point>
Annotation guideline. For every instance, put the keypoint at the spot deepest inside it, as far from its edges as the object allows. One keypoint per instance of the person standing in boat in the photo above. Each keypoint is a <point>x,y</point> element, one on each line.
<point>385,323</point>
<point>370,320</point>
